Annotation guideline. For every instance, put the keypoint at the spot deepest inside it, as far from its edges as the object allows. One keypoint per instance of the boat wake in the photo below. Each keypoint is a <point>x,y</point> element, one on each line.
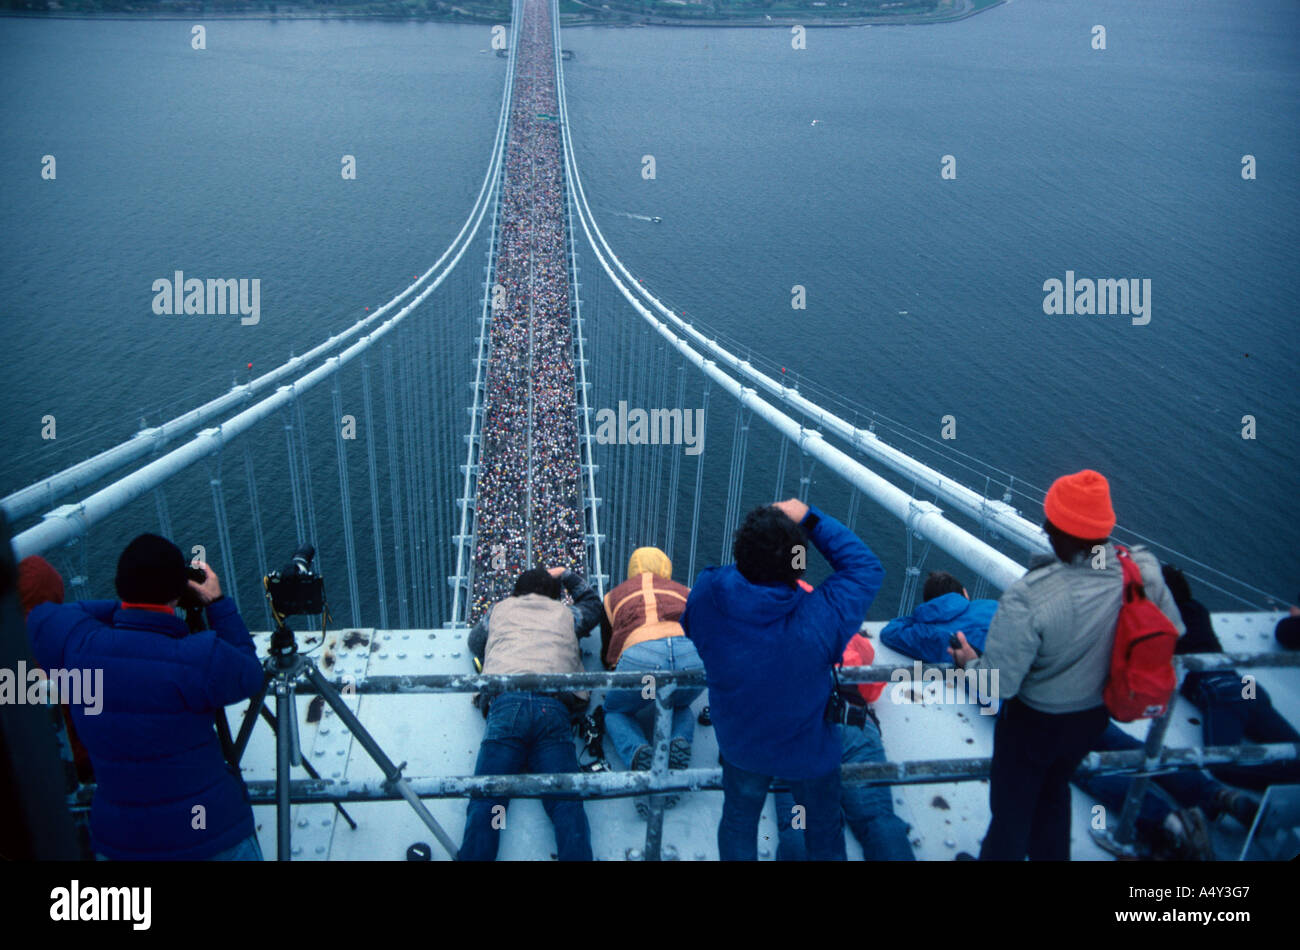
<point>639,217</point>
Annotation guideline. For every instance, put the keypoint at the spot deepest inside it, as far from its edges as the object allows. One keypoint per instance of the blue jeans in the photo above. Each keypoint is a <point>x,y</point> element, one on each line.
<point>1229,719</point>
<point>745,792</point>
<point>247,850</point>
<point>526,732</point>
<point>1189,787</point>
<point>869,810</point>
<point>623,705</point>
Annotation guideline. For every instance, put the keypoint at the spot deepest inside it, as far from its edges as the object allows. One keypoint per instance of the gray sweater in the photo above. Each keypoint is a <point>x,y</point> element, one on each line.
<point>1051,637</point>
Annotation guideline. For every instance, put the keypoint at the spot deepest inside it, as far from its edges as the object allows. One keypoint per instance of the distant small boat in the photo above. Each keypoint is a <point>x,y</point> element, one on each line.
<point>656,219</point>
<point>816,121</point>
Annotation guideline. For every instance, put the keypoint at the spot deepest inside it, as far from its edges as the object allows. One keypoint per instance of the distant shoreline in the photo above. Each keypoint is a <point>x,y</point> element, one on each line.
<point>756,21</point>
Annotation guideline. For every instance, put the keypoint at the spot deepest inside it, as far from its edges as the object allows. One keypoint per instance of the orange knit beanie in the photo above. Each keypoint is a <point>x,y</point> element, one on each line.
<point>1079,505</point>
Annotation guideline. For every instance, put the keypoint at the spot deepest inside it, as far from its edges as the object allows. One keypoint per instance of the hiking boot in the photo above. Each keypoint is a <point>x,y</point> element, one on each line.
<point>679,754</point>
<point>679,757</point>
<point>641,763</point>
<point>1241,805</point>
<point>641,759</point>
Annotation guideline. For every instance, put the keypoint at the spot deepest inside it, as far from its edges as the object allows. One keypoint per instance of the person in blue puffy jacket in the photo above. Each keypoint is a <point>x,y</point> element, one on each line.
<point>768,642</point>
<point>925,633</point>
<point>164,790</point>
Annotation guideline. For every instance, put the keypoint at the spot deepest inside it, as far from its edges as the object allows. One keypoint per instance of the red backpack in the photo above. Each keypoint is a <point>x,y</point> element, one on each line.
<point>1142,676</point>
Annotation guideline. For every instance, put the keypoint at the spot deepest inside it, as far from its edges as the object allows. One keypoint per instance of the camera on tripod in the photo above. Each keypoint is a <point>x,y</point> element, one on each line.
<point>295,588</point>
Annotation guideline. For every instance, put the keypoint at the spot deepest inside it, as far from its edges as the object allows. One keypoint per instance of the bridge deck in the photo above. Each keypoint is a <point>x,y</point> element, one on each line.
<point>438,734</point>
<point>528,504</point>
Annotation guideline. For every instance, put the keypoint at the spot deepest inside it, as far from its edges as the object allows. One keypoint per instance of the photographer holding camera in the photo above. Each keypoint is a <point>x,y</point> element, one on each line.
<point>165,791</point>
<point>532,631</point>
<point>769,643</point>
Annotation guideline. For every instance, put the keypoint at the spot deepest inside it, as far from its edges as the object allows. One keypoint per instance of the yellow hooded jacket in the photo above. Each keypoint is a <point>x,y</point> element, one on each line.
<point>646,606</point>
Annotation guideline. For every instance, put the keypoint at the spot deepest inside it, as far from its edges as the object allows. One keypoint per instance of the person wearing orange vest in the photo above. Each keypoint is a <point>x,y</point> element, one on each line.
<point>645,634</point>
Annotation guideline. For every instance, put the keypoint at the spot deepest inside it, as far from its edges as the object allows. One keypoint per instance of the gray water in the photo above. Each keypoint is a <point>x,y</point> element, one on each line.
<point>1116,163</point>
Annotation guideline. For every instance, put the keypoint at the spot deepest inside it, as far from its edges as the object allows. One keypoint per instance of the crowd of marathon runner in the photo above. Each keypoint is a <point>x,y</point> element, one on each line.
<point>528,504</point>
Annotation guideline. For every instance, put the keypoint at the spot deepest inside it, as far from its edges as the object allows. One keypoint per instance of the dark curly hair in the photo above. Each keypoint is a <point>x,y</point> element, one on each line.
<point>764,549</point>
<point>538,580</point>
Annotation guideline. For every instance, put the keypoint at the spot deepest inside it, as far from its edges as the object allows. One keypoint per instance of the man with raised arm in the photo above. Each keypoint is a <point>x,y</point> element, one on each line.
<point>768,642</point>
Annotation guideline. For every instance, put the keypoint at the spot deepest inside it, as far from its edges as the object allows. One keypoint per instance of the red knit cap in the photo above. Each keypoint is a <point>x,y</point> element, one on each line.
<point>1079,504</point>
<point>38,583</point>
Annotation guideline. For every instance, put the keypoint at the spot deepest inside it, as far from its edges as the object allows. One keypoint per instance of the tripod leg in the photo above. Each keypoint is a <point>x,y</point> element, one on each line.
<point>223,736</point>
<point>391,772</point>
<point>285,710</point>
<point>250,720</point>
<point>307,767</point>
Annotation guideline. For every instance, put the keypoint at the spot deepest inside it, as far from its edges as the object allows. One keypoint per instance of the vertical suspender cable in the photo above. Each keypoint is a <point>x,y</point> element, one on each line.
<point>414,460</point>
<point>805,473</point>
<point>699,476</point>
<point>375,524</point>
<point>255,514</point>
<point>164,513</point>
<point>656,473</point>
<point>295,486</point>
<point>395,491</point>
<point>670,527</point>
<point>780,469</point>
<point>345,503</point>
<point>231,585</point>
<point>306,479</point>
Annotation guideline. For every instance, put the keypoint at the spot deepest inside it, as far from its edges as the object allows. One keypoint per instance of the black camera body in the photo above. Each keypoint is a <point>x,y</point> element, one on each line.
<point>295,589</point>
<point>840,710</point>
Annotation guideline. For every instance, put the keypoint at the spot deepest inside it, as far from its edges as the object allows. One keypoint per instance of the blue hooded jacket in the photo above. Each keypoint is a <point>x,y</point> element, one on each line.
<point>925,634</point>
<point>153,743</point>
<point>768,653</point>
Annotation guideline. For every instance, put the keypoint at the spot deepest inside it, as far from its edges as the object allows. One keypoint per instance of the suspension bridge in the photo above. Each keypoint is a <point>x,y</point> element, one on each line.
<point>475,390</point>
